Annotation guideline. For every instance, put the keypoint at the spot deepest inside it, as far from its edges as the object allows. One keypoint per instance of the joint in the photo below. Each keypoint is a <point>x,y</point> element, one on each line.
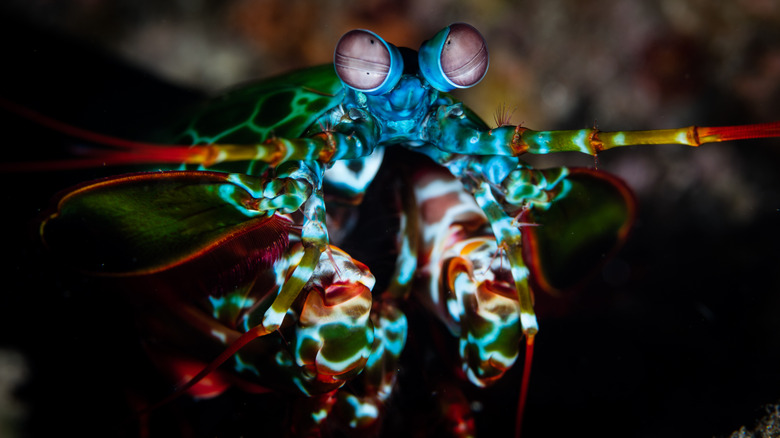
<point>455,111</point>
<point>271,322</point>
<point>595,143</point>
<point>252,204</point>
<point>693,136</point>
<point>328,149</point>
<point>529,324</point>
<point>208,155</point>
<point>355,114</point>
<point>518,145</point>
<point>280,151</point>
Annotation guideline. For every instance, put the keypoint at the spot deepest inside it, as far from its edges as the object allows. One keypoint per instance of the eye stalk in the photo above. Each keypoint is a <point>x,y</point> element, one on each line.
<point>365,62</point>
<point>456,57</point>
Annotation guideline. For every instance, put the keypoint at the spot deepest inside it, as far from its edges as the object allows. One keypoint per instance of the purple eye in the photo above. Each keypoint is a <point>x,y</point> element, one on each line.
<point>456,57</point>
<point>464,57</point>
<point>365,62</point>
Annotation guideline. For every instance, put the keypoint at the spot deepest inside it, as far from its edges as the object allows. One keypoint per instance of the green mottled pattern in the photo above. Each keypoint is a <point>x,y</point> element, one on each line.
<point>284,107</point>
<point>333,334</point>
<point>482,290</point>
<point>525,185</point>
<point>147,221</point>
<point>390,330</point>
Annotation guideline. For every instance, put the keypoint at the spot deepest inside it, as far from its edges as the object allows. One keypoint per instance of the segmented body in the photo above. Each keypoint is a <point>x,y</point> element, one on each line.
<point>299,124</point>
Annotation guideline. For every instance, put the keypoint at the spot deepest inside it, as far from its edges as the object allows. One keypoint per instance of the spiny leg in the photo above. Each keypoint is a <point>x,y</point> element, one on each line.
<point>509,237</point>
<point>468,281</point>
<point>314,236</point>
<point>295,187</point>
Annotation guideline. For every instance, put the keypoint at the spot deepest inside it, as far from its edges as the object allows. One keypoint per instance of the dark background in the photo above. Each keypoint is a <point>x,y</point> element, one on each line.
<point>678,336</point>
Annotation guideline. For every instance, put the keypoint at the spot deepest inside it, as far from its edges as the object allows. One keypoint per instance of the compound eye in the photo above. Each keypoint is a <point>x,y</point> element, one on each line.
<point>365,62</point>
<point>456,57</point>
<point>464,57</point>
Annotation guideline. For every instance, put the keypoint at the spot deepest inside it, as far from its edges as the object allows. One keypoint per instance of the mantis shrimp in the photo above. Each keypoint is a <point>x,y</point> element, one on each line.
<point>234,256</point>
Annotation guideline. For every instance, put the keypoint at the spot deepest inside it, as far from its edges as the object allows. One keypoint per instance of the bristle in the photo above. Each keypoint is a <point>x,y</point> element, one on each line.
<point>503,116</point>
